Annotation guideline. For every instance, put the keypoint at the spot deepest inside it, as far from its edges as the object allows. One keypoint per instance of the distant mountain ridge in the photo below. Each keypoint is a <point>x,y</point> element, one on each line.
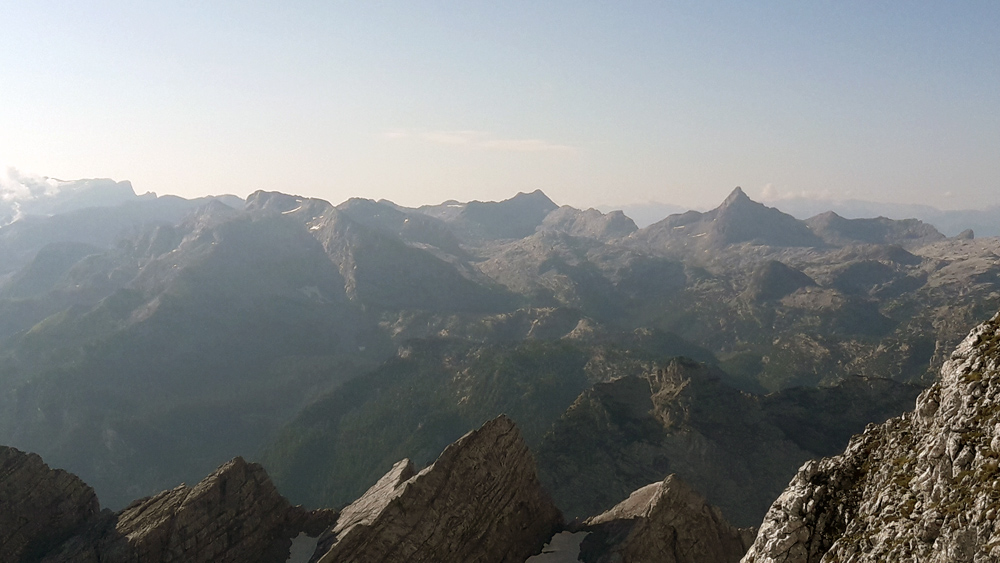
<point>172,335</point>
<point>738,219</point>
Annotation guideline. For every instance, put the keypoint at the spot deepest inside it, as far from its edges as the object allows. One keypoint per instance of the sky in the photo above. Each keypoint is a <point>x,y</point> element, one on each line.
<point>594,103</point>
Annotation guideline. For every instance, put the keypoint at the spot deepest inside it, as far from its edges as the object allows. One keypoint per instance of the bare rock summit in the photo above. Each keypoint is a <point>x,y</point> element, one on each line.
<point>233,515</point>
<point>39,507</point>
<point>664,522</point>
<point>479,502</point>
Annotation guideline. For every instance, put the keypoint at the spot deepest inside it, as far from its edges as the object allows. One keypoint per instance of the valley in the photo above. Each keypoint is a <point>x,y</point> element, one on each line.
<point>147,341</point>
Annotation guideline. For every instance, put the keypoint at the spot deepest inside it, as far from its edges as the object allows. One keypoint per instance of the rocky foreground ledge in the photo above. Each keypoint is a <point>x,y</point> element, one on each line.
<point>663,522</point>
<point>234,514</point>
<point>923,487</point>
<point>481,501</point>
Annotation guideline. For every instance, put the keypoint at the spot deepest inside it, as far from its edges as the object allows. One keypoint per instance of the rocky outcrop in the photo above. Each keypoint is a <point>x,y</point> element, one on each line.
<point>235,514</point>
<point>663,522</point>
<point>835,229</point>
<point>774,280</point>
<point>480,501</point>
<point>739,219</point>
<point>736,448</point>
<point>39,507</point>
<point>921,487</point>
<point>590,223</point>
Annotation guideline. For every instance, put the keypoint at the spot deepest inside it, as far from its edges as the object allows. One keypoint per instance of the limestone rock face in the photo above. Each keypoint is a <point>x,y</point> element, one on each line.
<point>663,522</point>
<point>590,223</point>
<point>480,501</point>
<point>233,515</point>
<point>39,507</point>
<point>737,449</point>
<point>921,487</point>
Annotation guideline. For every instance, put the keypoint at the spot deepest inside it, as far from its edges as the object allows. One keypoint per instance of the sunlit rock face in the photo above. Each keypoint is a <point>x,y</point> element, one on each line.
<point>39,506</point>
<point>921,487</point>
<point>664,522</point>
<point>233,515</point>
<point>480,501</point>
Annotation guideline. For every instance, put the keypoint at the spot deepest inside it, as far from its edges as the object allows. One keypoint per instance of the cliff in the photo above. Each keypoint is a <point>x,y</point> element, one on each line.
<point>663,522</point>
<point>920,487</point>
<point>39,507</point>
<point>233,515</point>
<point>480,501</point>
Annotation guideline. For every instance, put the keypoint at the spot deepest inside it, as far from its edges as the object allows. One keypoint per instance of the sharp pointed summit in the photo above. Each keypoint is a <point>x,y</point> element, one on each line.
<point>738,219</point>
<point>737,196</point>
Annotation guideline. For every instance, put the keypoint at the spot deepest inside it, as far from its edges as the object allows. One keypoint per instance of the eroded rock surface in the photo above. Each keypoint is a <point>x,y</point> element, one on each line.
<point>480,501</point>
<point>921,487</point>
<point>664,522</point>
<point>39,507</point>
<point>737,449</point>
<point>233,515</point>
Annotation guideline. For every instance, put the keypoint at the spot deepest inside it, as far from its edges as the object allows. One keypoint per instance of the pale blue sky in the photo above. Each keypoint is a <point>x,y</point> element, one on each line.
<point>595,103</point>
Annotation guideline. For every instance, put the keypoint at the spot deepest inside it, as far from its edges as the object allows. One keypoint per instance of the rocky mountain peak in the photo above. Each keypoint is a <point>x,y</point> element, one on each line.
<point>537,198</point>
<point>920,487</point>
<point>664,521</point>
<point>589,224</point>
<point>512,218</point>
<point>234,514</point>
<point>39,507</point>
<point>487,476</point>
<point>838,230</point>
<point>737,220</point>
<point>737,197</point>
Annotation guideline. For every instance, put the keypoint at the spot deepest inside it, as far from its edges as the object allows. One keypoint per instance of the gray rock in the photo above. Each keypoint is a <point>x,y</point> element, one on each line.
<point>920,487</point>
<point>480,501</point>
<point>233,515</point>
<point>39,507</point>
<point>663,522</point>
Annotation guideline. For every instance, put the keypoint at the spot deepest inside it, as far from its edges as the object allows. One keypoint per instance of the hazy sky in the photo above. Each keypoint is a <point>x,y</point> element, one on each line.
<point>595,103</point>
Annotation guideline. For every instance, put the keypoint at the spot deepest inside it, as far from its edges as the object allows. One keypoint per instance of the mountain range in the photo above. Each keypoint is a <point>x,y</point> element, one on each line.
<point>145,343</point>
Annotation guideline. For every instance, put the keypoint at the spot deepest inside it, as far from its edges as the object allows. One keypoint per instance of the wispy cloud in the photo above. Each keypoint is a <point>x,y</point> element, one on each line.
<point>480,140</point>
<point>770,192</point>
<point>18,186</point>
<point>525,145</point>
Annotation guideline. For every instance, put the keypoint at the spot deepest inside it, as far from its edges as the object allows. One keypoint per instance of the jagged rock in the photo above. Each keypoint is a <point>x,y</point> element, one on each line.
<point>835,229</point>
<point>663,522</point>
<point>480,501</point>
<point>590,223</point>
<point>739,219</point>
<point>921,487</point>
<point>235,514</point>
<point>39,507</point>
<point>738,449</point>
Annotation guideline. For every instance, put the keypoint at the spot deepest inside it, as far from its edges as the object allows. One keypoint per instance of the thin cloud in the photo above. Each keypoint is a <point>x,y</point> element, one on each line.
<point>18,186</point>
<point>526,145</point>
<point>396,134</point>
<point>454,137</point>
<point>772,193</point>
<point>479,140</point>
